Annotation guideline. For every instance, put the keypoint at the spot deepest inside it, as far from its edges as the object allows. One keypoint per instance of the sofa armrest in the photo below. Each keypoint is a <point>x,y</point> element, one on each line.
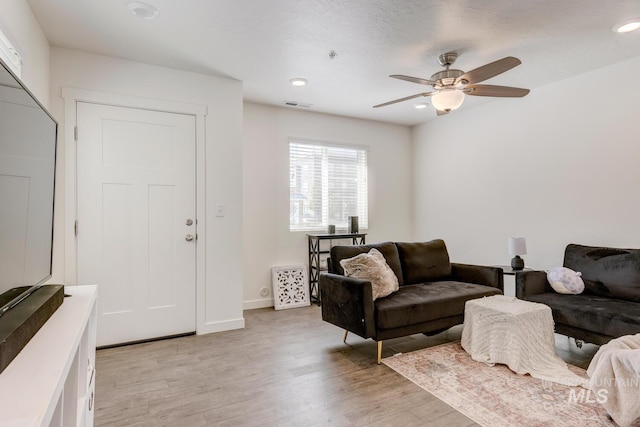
<point>348,303</point>
<point>478,274</point>
<point>531,283</point>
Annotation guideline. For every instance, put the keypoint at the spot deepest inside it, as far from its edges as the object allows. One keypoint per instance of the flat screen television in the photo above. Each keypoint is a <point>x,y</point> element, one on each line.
<point>28,135</point>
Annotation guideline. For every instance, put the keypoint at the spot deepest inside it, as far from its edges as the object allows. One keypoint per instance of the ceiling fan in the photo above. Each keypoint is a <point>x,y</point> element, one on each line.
<point>450,85</point>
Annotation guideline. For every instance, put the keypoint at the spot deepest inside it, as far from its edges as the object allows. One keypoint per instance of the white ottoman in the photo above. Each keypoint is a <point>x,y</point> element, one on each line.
<point>517,333</point>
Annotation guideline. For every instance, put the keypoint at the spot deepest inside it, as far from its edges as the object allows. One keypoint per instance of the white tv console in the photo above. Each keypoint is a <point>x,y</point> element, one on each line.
<point>52,380</point>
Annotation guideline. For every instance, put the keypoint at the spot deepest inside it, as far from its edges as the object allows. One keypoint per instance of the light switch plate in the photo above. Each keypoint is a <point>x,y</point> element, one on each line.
<point>220,210</point>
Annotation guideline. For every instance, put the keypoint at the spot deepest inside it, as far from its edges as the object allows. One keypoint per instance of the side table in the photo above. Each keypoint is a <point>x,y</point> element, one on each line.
<point>510,279</point>
<point>315,250</point>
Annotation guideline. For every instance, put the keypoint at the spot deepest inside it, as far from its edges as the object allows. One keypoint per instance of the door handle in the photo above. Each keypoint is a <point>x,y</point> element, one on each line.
<point>188,237</point>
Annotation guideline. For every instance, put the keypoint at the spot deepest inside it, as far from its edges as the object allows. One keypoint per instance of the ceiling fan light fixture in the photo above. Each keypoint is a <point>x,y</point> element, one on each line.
<point>447,99</point>
<point>451,86</point>
<point>628,26</point>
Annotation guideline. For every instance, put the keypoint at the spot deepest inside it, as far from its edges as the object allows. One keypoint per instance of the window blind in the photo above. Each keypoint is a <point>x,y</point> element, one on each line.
<point>327,184</point>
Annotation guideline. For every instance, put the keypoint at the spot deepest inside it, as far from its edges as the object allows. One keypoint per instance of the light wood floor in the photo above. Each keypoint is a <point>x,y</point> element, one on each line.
<point>286,368</point>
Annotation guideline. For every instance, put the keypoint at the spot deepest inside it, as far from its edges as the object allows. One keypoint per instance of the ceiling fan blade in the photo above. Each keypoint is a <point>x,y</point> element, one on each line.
<point>491,90</point>
<point>490,70</point>
<point>403,99</point>
<point>442,112</point>
<point>413,79</point>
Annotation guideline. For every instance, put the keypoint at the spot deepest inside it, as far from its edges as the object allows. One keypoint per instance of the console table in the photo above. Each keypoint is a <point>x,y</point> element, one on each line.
<point>315,250</point>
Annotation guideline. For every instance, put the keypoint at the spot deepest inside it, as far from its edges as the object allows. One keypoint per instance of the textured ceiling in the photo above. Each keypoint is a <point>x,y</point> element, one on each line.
<point>264,43</point>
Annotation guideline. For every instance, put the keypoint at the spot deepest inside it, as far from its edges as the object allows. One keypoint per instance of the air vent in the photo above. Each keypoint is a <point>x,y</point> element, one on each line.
<point>297,104</point>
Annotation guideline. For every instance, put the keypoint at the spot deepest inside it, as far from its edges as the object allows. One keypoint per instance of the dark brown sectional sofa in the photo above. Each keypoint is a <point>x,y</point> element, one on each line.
<point>431,296</point>
<point>608,308</point>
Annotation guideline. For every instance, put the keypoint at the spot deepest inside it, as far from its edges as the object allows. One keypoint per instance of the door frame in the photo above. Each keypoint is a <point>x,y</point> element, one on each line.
<point>71,97</point>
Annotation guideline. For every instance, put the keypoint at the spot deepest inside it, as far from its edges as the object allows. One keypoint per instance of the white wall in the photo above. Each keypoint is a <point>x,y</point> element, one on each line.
<point>558,166</point>
<point>22,29</point>
<point>223,99</point>
<point>267,239</point>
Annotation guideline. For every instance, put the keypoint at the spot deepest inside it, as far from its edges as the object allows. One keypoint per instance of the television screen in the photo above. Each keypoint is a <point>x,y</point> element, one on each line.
<point>27,176</point>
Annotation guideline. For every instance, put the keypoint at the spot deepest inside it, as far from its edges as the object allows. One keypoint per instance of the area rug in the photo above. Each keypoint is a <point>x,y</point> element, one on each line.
<point>494,395</point>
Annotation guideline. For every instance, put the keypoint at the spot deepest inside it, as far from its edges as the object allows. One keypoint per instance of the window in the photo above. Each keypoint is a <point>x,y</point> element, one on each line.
<point>327,184</point>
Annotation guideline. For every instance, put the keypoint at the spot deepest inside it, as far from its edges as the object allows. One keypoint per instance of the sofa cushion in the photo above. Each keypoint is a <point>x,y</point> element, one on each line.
<point>424,262</point>
<point>606,316</point>
<point>372,266</point>
<point>415,304</point>
<point>607,272</point>
<point>627,293</point>
<point>388,250</point>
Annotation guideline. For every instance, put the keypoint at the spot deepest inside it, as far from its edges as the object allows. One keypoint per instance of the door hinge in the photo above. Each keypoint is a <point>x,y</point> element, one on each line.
<point>75,228</point>
<point>75,133</point>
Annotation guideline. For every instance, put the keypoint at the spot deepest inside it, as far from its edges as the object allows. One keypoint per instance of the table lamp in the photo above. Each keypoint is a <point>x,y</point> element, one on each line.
<point>517,247</point>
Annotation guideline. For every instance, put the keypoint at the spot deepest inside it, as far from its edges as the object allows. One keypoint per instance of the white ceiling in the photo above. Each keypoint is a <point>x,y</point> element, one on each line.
<point>264,43</point>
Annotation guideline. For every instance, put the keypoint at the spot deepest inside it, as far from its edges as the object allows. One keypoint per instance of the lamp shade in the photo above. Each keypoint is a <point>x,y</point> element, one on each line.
<point>517,246</point>
<point>447,99</point>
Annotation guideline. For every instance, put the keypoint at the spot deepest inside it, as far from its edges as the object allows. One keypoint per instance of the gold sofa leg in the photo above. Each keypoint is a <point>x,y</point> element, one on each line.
<point>379,352</point>
<point>345,336</point>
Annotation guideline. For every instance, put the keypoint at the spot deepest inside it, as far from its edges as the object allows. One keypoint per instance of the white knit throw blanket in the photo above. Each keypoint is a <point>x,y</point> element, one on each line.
<point>615,379</point>
<point>517,333</point>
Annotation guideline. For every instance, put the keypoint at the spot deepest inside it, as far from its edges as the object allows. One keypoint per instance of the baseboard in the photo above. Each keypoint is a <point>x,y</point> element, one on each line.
<point>225,325</point>
<point>257,303</point>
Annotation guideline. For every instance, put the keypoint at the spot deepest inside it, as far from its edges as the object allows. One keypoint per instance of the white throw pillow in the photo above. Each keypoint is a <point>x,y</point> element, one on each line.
<point>372,267</point>
<point>563,280</point>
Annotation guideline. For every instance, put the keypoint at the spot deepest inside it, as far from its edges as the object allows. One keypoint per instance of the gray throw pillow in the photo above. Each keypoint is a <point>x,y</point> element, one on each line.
<point>372,267</point>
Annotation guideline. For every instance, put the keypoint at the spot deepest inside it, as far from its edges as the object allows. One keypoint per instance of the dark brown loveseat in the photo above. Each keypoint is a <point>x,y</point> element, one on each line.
<point>608,308</point>
<point>431,297</point>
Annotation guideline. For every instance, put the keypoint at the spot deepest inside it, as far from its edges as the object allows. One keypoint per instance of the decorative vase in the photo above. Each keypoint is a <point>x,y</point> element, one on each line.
<point>353,224</point>
<point>517,263</point>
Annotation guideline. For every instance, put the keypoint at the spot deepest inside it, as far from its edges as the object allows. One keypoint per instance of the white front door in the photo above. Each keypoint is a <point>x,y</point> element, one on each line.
<point>136,210</point>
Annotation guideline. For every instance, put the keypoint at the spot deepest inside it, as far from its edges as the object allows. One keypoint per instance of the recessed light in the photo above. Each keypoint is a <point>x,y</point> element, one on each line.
<point>142,10</point>
<point>628,26</point>
<point>298,81</point>
<point>420,106</point>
